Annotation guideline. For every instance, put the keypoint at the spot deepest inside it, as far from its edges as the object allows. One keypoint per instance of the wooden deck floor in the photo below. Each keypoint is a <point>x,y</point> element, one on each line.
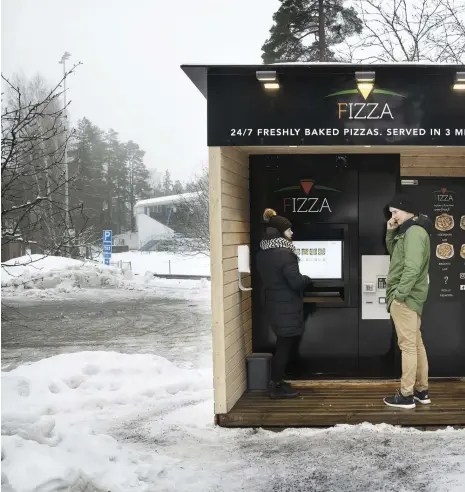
<point>327,403</point>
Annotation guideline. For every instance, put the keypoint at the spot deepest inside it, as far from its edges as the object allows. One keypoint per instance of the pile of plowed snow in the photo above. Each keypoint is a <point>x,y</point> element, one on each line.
<point>60,417</point>
<point>52,272</point>
<point>53,275</point>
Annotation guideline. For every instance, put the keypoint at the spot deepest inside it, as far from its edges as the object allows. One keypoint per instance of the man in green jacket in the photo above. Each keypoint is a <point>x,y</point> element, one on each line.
<point>408,243</point>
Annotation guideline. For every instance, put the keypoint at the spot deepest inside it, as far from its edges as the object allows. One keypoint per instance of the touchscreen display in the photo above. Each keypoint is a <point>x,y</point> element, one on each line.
<point>320,259</point>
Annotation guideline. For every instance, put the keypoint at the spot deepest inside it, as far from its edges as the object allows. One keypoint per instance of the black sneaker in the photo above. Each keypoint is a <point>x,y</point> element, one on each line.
<point>281,390</point>
<point>287,385</point>
<point>400,401</point>
<point>422,397</point>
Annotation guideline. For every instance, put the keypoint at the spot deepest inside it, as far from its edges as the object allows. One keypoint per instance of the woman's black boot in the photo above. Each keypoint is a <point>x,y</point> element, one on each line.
<point>281,390</point>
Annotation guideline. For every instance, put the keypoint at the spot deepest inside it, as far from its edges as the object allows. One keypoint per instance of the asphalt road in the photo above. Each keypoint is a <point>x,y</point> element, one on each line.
<point>178,330</point>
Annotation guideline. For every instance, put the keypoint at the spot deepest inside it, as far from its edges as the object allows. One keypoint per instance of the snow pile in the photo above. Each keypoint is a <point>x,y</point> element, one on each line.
<point>61,274</point>
<point>51,276</point>
<point>29,264</point>
<point>99,421</point>
<point>57,415</point>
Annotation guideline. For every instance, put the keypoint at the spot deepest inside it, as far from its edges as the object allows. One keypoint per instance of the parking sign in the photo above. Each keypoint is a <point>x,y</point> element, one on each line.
<point>107,245</point>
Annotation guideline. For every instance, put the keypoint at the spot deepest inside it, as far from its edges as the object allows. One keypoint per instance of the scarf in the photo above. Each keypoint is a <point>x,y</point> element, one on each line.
<point>278,242</point>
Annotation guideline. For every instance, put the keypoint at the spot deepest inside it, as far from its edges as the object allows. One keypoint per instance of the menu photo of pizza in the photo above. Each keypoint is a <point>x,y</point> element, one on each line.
<point>444,251</point>
<point>462,251</point>
<point>444,222</point>
<point>462,222</point>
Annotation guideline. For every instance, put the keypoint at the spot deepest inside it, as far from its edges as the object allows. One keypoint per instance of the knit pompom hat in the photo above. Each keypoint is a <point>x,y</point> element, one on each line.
<point>272,219</point>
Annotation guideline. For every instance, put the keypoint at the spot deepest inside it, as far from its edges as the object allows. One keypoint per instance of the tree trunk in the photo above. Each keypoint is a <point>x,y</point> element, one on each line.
<point>321,36</point>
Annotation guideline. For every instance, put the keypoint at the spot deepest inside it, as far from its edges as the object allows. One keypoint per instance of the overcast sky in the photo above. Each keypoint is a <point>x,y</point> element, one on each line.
<point>131,51</point>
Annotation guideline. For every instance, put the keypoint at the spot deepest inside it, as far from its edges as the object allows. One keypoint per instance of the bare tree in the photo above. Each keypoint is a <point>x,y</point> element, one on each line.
<point>34,138</point>
<point>413,31</point>
<point>192,213</point>
<point>452,44</point>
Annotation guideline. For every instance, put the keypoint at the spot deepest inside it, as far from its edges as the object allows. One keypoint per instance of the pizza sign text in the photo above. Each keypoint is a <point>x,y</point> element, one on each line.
<point>311,204</point>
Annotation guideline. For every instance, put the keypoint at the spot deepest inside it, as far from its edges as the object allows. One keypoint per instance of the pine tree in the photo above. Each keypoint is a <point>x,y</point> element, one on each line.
<point>110,178</point>
<point>116,179</point>
<point>86,157</point>
<point>139,178</point>
<point>178,188</point>
<point>167,183</point>
<point>305,30</point>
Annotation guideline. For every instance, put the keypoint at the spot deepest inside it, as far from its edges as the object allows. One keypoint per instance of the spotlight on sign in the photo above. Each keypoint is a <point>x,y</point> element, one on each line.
<point>365,82</point>
<point>459,84</point>
<point>269,79</point>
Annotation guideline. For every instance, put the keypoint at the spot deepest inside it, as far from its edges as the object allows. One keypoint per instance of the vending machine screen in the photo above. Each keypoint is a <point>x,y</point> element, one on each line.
<point>320,259</point>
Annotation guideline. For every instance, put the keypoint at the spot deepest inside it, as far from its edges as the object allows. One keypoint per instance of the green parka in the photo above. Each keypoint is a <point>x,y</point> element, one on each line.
<point>409,248</point>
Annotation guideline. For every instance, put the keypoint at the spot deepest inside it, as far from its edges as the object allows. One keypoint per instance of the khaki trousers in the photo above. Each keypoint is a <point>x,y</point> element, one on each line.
<point>414,359</point>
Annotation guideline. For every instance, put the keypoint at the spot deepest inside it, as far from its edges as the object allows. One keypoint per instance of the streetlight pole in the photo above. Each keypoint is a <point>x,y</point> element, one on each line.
<point>65,57</point>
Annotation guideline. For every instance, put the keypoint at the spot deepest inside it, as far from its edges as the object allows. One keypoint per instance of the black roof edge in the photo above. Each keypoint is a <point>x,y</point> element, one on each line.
<point>198,73</point>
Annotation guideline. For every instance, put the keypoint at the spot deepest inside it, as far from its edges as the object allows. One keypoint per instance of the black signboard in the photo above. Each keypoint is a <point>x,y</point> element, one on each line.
<point>443,200</point>
<point>405,106</point>
<point>443,320</point>
<point>308,188</point>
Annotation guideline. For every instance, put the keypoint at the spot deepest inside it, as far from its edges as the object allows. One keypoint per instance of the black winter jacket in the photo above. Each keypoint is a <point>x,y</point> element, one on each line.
<point>282,289</point>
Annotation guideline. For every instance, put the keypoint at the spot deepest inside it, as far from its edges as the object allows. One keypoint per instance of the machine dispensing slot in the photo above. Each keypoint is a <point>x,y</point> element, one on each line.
<point>324,294</point>
<point>328,294</point>
<point>322,299</point>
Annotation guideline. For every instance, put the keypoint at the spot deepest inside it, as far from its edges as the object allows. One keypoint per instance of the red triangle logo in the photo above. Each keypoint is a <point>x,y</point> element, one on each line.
<point>443,190</point>
<point>306,186</point>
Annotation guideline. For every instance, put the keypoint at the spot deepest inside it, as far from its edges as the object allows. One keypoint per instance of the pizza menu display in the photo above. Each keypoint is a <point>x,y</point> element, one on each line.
<point>443,200</point>
<point>320,259</point>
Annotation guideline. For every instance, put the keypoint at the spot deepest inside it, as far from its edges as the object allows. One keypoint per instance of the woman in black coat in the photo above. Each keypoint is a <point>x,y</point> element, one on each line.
<point>283,286</point>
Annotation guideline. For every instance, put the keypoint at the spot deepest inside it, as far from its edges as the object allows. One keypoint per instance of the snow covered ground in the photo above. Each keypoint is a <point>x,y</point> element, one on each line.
<point>141,262</point>
<point>72,418</point>
<point>114,422</point>
<point>163,263</point>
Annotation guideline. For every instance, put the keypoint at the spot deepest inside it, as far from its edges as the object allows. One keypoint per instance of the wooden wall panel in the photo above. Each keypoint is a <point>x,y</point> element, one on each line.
<point>236,225</point>
<point>433,165</point>
<point>232,222</point>
<point>429,150</point>
<point>236,298</point>
<point>229,252</point>
<point>234,214</point>
<point>217,295</point>
<point>436,161</point>
<point>231,288</point>
<point>236,231</point>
